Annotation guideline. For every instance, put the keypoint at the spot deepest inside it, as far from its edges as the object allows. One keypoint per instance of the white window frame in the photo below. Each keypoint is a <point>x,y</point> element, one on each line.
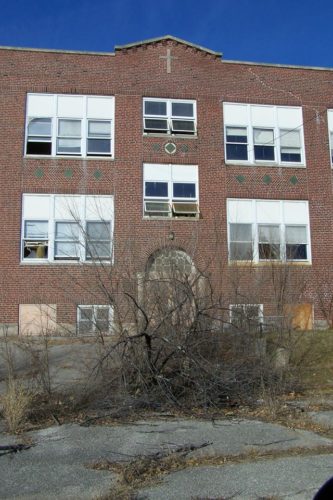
<point>330,133</point>
<point>81,219</point>
<point>169,117</point>
<point>94,307</point>
<point>279,129</point>
<point>170,199</point>
<point>282,224</point>
<point>260,317</point>
<point>84,119</point>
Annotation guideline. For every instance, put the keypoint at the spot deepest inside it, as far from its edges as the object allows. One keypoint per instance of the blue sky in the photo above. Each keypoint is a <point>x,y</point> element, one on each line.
<point>279,31</point>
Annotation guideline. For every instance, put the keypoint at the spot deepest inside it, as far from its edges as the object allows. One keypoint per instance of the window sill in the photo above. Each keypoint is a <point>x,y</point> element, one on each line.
<point>272,263</point>
<point>36,262</point>
<point>170,136</point>
<point>68,157</point>
<point>264,164</point>
<point>168,219</point>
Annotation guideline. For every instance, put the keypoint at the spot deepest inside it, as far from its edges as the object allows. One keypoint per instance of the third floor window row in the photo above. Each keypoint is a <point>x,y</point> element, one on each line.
<point>83,126</point>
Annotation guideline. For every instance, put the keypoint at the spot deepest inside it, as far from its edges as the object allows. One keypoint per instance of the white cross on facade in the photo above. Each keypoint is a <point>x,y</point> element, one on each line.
<point>168,58</point>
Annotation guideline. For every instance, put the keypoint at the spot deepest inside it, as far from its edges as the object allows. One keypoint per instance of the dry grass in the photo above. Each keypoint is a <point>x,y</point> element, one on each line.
<point>146,471</point>
<point>16,402</point>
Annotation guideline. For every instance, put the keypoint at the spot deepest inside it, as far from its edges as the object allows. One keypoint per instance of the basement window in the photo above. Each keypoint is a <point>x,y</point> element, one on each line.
<point>94,319</point>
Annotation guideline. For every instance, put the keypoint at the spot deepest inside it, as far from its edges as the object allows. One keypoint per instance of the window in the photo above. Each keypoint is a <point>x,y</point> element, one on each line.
<point>170,190</point>
<point>246,316</point>
<point>94,319</point>
<point>256,134</point>
<point>268,230</point>
<point>59,228</point>
<point>169,116</point>
<point>330,132</point>
<point>69,125</point>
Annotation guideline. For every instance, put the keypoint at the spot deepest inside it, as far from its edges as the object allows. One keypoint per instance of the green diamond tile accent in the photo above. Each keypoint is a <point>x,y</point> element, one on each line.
<point>39,173</point>
<point>170,148</point>
<point>267,179</point>
<point>98,174</point>
<point>240,178</point>
<point>68,173</point>
<point>184,148</point>
<point>156,147</point>
<point>293,180</point>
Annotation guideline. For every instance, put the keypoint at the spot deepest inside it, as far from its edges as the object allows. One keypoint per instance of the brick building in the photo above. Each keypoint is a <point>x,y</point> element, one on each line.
<point>116,156</point>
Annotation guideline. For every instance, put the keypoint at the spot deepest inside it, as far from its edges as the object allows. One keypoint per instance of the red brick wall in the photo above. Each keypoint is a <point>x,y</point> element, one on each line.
<point>130,75</point>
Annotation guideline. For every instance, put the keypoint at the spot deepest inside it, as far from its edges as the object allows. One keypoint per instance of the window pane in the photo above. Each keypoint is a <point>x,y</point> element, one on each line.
<point>69,146</point>
<point>152,124</point>
<point>183,190</point>
<point>241,232</point>
<point>296,252</point>
<point>269,251</point>
<point>39,148</point>
<point>235,134</point>
<point>158,189</point>
<point>290,138</point>
<point>66,250</point>
<point>99,146</point>
<point>86,313</point>
<point>99,128</point>
<point>237,152</point>
<point>241,251</point>
<point>296,234</point>
<point>291,154</point>
<point>264,153</point>
<point>36,230</point>
<point>71,128</point>
<point>155,108</point>
<point>182,126</point>
<point>269,234</point>
<point>182,109</point>
<point>67,231</point>
<point>263,136</point>
<point>98,231</point>
<point>39,126</point>
<point>98,250</point>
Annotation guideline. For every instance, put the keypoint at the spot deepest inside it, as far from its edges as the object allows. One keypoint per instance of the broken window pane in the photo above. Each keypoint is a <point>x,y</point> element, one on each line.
<point>39,136</point>
<point>263,144</point>
<point>269,242</point>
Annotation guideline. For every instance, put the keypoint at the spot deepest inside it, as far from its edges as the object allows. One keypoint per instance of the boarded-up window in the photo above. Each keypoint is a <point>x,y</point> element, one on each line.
<point>300,315</point>
<point>37,319</point>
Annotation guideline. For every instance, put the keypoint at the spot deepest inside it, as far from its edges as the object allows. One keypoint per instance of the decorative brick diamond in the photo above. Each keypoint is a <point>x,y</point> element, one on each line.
<point>97,174</point>
<point>293,180</point>
<point>39,173</point>
<point>240,178</point>
<point>267,179</point>
<point>68,173</point>
<point>170,148</point>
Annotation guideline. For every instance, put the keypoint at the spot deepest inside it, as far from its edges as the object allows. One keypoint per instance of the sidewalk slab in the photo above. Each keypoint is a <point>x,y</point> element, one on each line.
<point>296,478</point>
<point>66,451</point>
